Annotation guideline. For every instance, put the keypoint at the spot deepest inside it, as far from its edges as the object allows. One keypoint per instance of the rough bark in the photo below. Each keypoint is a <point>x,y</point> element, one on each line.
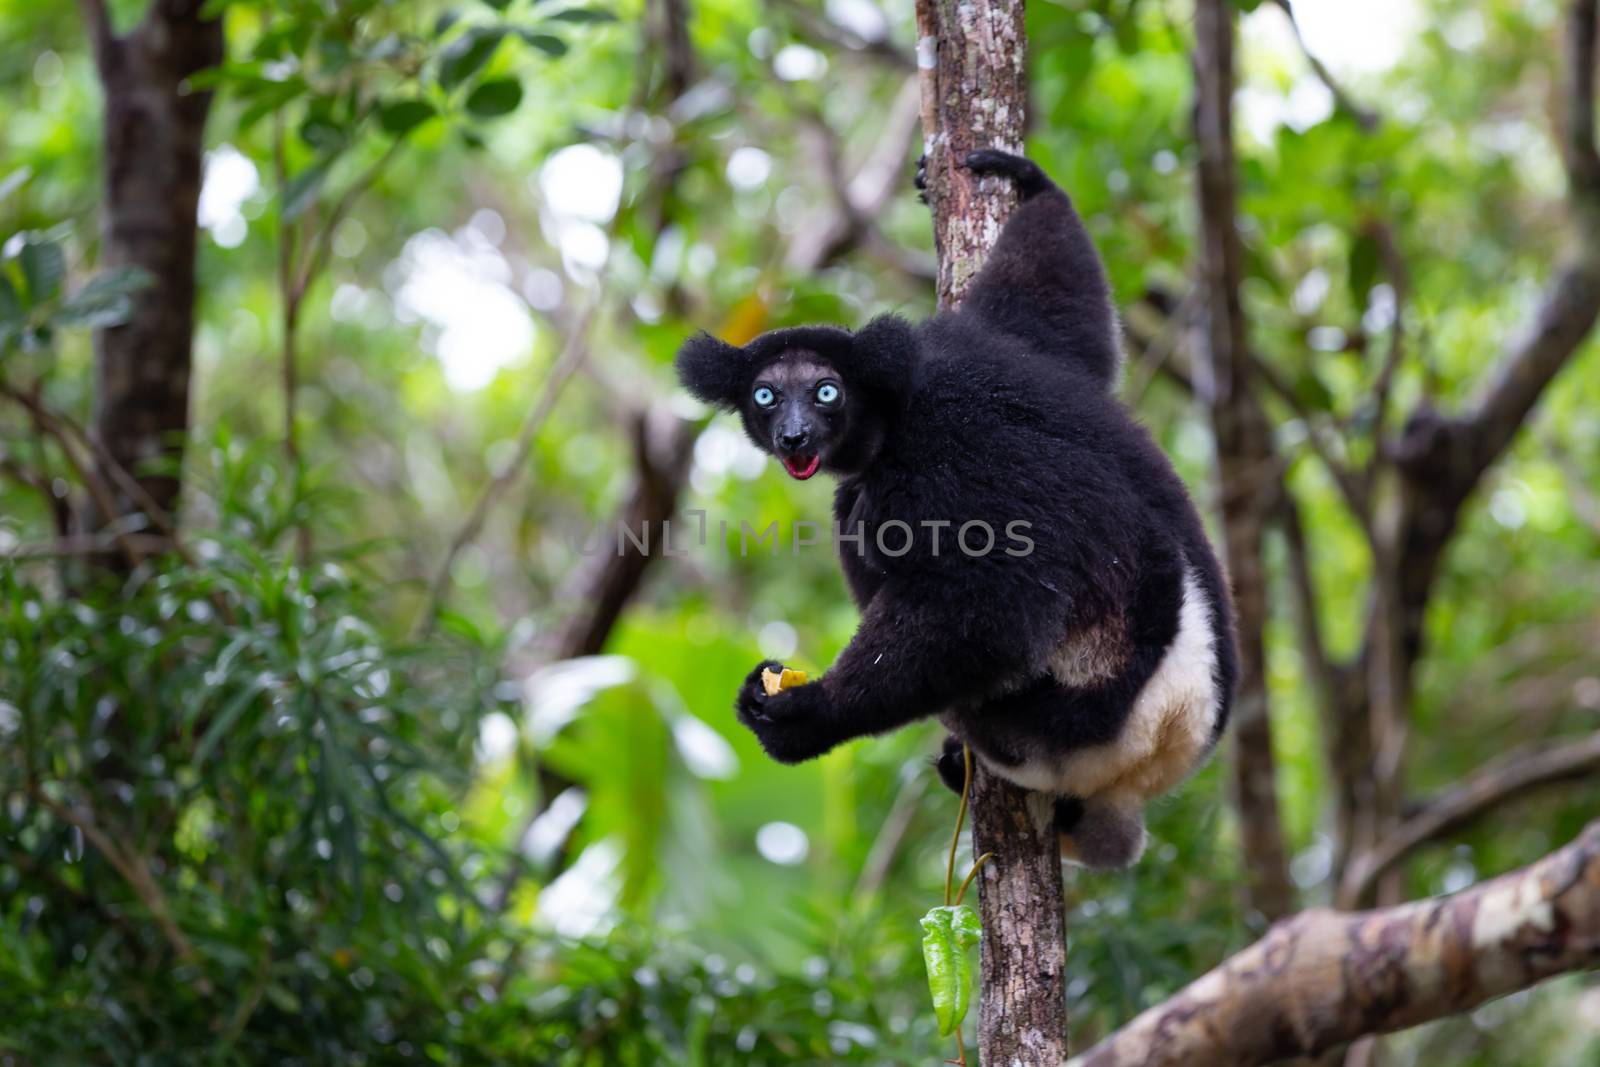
<point>971,59</point>
<point>152,140</point>
<point>1246,467</point>
<point>1022,1000</point>
<point>1325,978</point>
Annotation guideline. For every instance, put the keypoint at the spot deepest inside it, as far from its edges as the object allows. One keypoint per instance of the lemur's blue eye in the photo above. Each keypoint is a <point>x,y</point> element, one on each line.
<point>827,393</point>
<point>765,397</point>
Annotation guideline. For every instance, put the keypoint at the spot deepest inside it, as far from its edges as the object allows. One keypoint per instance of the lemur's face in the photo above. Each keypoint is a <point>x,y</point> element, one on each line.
<point>798,410</point>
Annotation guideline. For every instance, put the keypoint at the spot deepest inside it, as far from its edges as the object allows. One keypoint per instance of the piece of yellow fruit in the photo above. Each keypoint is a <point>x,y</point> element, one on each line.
<point>774,682</point>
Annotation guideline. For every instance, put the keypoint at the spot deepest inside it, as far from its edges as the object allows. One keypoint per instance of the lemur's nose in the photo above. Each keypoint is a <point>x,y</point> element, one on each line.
<point>792,441</point>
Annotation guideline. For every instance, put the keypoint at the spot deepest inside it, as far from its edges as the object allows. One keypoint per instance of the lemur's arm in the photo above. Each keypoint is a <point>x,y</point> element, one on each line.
<point>911,657</point>
<point>1043,281</point>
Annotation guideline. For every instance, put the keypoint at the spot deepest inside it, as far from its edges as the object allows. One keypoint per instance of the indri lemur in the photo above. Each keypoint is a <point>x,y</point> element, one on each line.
<point>1098,667</point>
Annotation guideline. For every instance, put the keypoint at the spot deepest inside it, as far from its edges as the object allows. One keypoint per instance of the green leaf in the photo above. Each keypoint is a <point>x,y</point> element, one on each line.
<point>467,54</point>
<point>498,5</point>
<point>947,933</point>
<point>321,132</point>
<point>217,731</point>
<point>10,302</point>
<point>1364,255</point>
<point>446,19</point>
<point>583,14</point>
<point>1312,393</point>
<point>104,301</point>
<point>14,181</point>
<point>549,44</point>
<point>43,267</point>
<point>499,96</point>
<point>403,116</point>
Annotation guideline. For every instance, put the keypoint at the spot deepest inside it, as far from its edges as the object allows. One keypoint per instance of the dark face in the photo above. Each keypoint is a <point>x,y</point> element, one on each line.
<point>797,409</point>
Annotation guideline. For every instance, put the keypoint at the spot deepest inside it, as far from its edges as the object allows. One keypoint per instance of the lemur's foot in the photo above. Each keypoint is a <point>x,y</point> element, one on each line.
<point>951,765</point>
<point>1020,169</point>
<point>921,180</point>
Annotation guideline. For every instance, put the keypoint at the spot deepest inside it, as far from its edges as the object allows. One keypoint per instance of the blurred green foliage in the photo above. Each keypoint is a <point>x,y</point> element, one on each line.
<point>330,815</point>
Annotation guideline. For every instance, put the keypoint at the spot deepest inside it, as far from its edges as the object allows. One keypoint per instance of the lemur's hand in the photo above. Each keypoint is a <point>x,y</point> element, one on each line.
<point>792,725</point>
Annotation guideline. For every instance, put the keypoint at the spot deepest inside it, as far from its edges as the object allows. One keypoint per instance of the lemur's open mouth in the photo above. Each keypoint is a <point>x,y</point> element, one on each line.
<point>800,467</point>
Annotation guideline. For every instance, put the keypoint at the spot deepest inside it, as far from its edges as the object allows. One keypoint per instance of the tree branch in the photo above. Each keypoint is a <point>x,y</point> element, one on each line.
<point>1325,978</point>
<point>136,872</point>
<point>1441,458</point>
<point>1528,768</point>
<point>1365,118</point>
<point>97,20</point>
<point>572,354</point>
<point>1247,470</point>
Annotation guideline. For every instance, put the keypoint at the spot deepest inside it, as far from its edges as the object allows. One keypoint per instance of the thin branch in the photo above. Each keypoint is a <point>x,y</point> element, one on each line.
<point>97,20</point>
<point>1156,353</point>
<point>858,200</point>
<point>825,31</point>
<point>288,295</point>
<point>59,508</point>
<point>322,244</point>
<point>572,355</point>
<point>1585,502</point>
<point>49,424</point>
<point>1486,789</point>
<point>1308,625</point>
<point>1325,978</point>
<point>1248,469</point>
<point>1350,487</point>
<point>1365,117</point>
<point>880,857</point>
<point>80,546</point>
<point>136,873</point>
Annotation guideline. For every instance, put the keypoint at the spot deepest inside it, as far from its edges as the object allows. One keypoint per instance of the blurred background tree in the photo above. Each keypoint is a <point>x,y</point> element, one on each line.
<point>321,738</point>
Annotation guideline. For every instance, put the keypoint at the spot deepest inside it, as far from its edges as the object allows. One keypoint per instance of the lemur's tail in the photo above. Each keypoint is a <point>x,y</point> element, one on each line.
<point>1100,833</point>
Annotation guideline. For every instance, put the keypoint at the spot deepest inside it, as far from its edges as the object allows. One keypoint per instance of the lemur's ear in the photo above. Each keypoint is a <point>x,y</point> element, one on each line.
<point>713,370</point>
<point>885,350</point>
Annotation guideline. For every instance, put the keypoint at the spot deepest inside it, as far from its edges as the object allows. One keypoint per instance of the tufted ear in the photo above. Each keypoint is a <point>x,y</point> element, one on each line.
<point>713,370</point>
<point>883,354</point>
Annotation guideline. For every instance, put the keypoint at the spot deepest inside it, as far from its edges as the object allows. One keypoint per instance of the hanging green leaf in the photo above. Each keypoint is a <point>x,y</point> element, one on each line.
<point>499,96</point>
<point>43,267</point>
<point>403,116</point>
<point>947,933</point>
<point>467,54</point>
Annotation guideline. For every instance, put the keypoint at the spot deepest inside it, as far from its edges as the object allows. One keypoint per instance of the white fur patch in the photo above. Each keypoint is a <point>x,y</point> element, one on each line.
<point>1168,733</point>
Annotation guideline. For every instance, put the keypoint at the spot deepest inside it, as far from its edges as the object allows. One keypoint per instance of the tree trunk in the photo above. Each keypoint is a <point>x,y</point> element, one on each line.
<point>971,56</point>
<point>152,141</point>
<point>1246,468</point>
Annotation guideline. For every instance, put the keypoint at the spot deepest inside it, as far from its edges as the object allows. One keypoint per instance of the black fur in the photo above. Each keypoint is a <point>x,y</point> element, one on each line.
<point>1000,411</point>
